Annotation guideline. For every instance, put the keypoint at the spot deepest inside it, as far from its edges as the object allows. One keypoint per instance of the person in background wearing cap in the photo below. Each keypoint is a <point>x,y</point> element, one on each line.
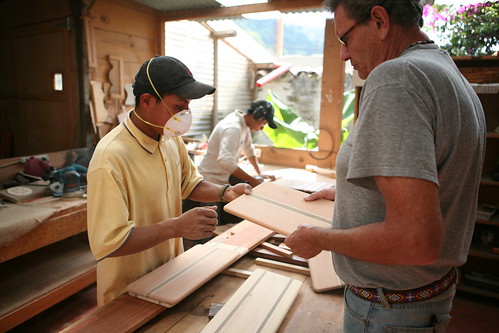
<point>138,176</point>
<point>230,138</point>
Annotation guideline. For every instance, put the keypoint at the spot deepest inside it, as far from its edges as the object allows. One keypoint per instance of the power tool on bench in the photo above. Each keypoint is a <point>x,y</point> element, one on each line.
<point>69,182</point>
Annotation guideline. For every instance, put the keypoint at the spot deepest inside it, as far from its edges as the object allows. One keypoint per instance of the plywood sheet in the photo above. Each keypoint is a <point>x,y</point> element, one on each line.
<point>280,208</point>
<point>259,305</point>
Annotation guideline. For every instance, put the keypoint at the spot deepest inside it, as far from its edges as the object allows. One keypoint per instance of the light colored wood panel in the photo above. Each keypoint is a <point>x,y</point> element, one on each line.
<point>259,305</point>
<point>130,48</point>
<point>126,17</point>
<point>245,234</point>
<point>324,277</point>
<point>173,281</point>
<point>280,208</point>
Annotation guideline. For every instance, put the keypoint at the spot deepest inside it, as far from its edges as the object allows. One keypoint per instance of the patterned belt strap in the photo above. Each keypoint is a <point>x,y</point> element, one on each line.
<point>405,296</point>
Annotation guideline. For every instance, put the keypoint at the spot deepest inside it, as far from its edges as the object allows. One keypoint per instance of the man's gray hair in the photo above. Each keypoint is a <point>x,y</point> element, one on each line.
<point>402,12</point>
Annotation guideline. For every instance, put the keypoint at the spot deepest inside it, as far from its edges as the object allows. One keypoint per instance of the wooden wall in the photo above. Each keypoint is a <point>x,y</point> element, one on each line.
<point>119,34</point>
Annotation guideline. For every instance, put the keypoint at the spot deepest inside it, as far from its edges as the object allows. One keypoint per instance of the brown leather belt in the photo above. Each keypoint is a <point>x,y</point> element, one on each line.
<point>405,296</point>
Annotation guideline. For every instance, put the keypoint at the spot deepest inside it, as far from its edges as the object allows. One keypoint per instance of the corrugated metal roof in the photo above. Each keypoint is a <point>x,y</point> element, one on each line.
<point>166,6</point>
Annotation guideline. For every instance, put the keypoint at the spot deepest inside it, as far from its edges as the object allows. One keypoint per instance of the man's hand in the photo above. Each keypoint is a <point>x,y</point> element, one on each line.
<point>197,223</point>
<point>326,193</point>
<point>302,243</point>
<point>232,192</point>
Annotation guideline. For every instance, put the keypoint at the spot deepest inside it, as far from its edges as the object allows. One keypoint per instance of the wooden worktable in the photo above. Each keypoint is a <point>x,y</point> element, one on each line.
<point>47,264</point>
<point>310,312</point>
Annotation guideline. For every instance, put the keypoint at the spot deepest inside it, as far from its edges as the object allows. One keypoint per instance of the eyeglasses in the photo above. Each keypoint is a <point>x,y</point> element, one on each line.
<point>342,37</point>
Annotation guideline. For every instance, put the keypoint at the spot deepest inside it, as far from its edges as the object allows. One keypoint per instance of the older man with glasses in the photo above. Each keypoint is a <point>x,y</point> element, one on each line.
<point>407,176</point>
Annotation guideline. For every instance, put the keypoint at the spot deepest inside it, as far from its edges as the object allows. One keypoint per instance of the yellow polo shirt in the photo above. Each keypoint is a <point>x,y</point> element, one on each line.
<point>134,181</point>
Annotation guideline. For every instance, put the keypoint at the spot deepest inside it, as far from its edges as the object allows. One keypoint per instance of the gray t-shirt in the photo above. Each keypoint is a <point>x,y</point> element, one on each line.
<point>418,118</point>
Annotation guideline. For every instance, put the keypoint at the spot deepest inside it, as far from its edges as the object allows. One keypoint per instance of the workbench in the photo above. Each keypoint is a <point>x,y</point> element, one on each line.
<point>46,265</point>
<point>310,312</point>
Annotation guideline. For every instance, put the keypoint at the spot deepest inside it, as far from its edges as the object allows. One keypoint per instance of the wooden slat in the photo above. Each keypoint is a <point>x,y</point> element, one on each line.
<point>282,265</point>
<point>276,249</point>
<point>324,277</point>
<point>263,253</point>
<point>259,305</point>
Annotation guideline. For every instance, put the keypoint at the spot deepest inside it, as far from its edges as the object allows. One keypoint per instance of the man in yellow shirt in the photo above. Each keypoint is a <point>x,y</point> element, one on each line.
<point>138,176</point>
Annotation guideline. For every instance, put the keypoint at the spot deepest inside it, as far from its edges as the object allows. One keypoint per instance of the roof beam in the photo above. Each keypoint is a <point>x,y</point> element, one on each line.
<point>219,12</point>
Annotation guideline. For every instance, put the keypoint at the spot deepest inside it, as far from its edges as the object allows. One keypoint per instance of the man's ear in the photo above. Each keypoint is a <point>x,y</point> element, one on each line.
<point>382,20</point>
<point>147,100</point>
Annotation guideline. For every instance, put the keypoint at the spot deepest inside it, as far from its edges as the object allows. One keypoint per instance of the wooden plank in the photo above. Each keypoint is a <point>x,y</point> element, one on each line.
<point>263,253</point>
<point>237,272</point>
<point>124,314</point>
<point>324,277</point>
<point>281,209</point>
<point>282,265</point>
<point>259,305</point>
<point>277,250</point>
<point>173,281</point>
<point>245,234</point>
<point>178,278</point>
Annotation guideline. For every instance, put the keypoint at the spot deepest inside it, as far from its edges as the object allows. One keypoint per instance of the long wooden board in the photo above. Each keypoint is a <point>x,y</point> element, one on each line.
<point>259,305</point>
<point>170,283</point>
<point>283,209</point>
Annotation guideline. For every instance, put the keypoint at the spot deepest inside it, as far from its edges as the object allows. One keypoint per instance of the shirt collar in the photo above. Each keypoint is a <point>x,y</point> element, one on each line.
<point>144,140</point>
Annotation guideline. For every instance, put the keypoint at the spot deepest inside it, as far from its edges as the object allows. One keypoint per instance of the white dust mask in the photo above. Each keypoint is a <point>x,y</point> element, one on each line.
<point>178,124</point>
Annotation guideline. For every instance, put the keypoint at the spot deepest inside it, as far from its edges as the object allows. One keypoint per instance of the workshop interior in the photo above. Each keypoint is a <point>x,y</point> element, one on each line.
<point>67,69</point>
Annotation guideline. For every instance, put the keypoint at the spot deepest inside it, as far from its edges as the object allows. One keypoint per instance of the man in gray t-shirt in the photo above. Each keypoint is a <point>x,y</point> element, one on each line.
<point>407,176</point>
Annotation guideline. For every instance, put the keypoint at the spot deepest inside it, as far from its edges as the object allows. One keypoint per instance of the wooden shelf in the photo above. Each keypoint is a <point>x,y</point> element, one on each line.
<point>488,181</point>
<point>482,251</point>
<point>32,283</point>
<point>493,221</point>
<point>477,291</point>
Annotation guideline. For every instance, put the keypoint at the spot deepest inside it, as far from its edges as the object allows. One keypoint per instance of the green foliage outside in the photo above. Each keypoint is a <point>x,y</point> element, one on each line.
<point>293,132</point>
<point>465,30</point>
